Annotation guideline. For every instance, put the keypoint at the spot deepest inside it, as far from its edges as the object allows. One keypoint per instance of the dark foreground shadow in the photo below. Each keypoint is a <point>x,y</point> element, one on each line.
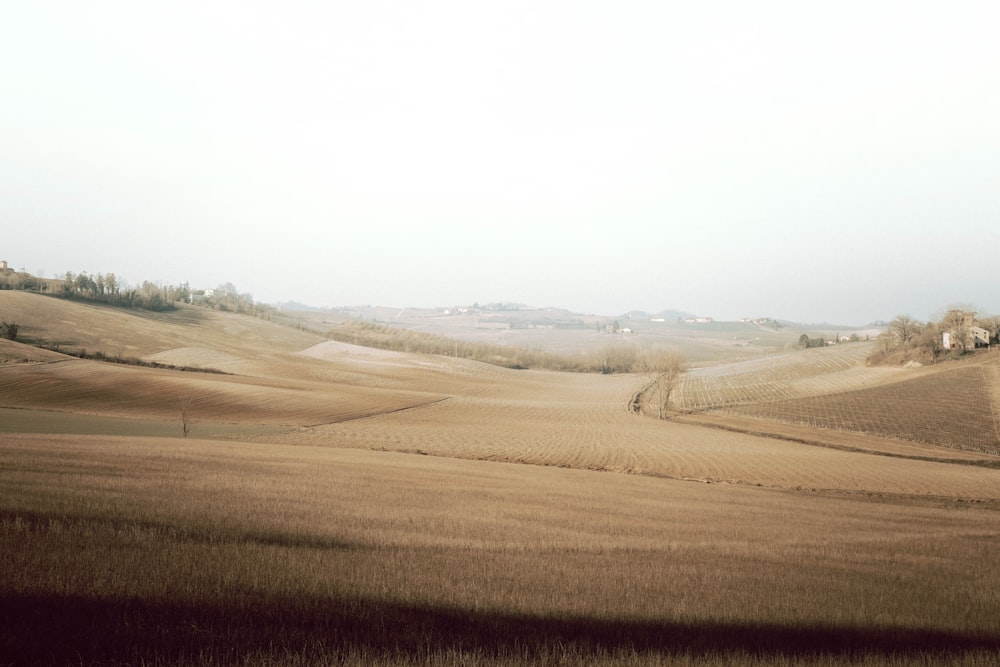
<point>56,630</point>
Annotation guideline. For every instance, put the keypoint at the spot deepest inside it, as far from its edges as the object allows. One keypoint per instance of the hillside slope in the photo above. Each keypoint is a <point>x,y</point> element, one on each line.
<point>954,405</point>
<point>267,379</point>
<point>329,394</point>
<point>76,326</point>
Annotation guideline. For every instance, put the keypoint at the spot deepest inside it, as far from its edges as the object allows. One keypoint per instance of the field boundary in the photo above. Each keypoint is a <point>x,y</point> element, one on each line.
<point>369,415</point>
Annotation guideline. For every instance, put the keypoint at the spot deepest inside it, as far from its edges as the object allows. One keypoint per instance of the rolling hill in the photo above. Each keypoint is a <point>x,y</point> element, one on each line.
<point>310,391</point>
<point>335,504</point>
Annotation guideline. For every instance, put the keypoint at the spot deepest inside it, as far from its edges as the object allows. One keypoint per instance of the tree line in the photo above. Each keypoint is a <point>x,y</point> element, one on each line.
<point>104,288</point>
<point>610,359</point>
<point>109,289</point>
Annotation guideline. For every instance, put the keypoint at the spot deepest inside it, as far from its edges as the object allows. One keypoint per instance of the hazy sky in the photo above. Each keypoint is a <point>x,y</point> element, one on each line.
<point>803,160</point>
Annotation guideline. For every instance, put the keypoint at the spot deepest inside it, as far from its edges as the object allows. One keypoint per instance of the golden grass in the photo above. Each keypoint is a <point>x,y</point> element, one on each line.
<point>305,543</point>
<point>581,422</point>
<point>202,552</point>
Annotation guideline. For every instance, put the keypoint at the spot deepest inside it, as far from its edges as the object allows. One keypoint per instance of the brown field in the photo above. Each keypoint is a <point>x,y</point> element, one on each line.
<point>950,405</point>
<point>341,505</point>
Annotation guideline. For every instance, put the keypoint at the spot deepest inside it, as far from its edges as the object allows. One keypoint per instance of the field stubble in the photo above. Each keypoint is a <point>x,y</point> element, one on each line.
<point>195,551</point>
<point>214,553</point>
<point>583,422</point>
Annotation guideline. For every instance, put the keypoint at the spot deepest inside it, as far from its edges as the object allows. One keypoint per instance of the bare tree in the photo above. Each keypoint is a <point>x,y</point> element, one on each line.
<point>957,322</point>
<point>886,343</point>
<point>184,407</point>
<point>904,329</point>
<point>663,370</point>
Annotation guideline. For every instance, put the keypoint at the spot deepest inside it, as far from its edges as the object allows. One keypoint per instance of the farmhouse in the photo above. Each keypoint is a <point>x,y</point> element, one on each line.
<point>974,337</point>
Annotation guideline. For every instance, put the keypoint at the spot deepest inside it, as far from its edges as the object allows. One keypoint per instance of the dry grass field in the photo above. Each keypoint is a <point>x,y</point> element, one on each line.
<point>341,505</point>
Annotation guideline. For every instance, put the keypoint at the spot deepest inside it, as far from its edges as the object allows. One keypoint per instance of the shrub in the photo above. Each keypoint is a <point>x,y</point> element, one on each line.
<point>10,330</point>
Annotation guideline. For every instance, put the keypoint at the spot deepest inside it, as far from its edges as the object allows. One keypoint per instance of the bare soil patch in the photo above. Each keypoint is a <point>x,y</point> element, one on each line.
<point>170,551</point>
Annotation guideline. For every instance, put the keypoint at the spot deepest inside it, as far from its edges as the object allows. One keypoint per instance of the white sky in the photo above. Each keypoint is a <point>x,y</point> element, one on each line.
<point>802,160</point>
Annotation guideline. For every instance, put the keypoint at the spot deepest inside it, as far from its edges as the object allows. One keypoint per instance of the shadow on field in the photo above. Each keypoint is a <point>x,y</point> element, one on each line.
<point>52,630</point>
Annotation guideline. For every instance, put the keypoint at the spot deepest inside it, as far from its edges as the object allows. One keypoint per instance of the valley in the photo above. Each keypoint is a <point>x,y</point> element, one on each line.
<point>337,503</point>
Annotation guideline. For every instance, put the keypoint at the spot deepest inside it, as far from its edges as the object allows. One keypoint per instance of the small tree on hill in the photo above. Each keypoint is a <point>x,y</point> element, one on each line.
<point>10,330</point>
<point>663,370</point>
<point>184,407</point>
<point>904,329</point>
<point>957,322</point>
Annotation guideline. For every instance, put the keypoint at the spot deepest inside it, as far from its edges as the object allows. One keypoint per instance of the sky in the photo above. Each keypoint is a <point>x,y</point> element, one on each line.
<point>817,162</point>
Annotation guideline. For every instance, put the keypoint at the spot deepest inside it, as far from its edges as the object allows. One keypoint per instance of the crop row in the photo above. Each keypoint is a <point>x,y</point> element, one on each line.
<point>950,409</point>
<point>780,377</point>
<point>795,364</point>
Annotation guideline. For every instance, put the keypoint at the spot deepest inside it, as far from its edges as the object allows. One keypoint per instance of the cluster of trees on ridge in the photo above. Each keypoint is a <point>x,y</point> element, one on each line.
<point>806,342</point>
<point>909,340</point>
<point>107,288</point>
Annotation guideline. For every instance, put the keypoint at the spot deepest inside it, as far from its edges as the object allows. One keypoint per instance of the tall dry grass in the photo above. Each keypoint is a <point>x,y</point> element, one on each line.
<point>146,551</point>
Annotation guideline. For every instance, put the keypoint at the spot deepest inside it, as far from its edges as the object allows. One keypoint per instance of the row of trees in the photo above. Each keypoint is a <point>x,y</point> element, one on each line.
<point>380,336</point>
<point>607,360</point>
<point>108,288</point>
<point>101,287</point>
<point>11,280</point>
<point>909,340</point>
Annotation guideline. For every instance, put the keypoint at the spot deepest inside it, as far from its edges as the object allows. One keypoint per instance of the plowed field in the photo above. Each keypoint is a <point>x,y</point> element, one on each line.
<point>949,409</point>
